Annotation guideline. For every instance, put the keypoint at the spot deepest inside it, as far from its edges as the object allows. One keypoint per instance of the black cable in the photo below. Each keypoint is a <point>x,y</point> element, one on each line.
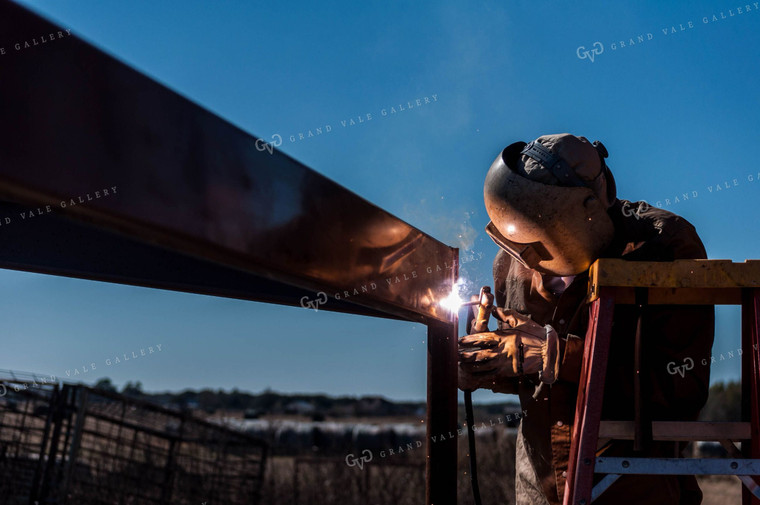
<point>471,441</point>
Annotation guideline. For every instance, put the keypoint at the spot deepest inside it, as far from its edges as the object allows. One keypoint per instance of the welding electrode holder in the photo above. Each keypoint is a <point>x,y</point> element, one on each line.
<point>485,307</point>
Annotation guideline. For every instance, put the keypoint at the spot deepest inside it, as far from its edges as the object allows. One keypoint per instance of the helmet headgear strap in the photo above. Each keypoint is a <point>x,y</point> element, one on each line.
<point>560,168</point>
<point>556,165</point>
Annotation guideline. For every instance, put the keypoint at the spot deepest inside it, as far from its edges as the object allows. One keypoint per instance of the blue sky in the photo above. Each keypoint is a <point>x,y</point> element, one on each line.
<point>678,113</point>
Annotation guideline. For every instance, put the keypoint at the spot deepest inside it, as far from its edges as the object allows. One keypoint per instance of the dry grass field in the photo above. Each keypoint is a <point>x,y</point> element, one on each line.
<point>399,480</point>
<point>392,480</point>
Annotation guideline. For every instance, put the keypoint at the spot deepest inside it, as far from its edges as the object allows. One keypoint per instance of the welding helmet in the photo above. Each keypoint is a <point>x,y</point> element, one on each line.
<point>548,202</point>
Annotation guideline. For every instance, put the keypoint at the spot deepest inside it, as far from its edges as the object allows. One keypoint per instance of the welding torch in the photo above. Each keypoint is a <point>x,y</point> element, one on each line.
<point>479,323</point>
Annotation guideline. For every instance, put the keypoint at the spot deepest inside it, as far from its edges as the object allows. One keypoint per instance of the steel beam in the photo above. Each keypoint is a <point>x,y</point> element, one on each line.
<point>186,185</point>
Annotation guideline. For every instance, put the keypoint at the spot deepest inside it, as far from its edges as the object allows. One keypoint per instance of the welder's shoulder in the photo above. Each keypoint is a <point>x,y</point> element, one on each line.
<point>667,231</point>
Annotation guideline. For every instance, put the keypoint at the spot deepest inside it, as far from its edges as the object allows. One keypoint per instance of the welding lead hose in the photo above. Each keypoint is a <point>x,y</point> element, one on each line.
<point>471,441</point>
<point>476,323</point>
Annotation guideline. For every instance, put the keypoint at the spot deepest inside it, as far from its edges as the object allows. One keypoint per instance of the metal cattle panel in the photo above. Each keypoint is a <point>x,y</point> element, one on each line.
<point>82,446</point>
<point>100,143</point>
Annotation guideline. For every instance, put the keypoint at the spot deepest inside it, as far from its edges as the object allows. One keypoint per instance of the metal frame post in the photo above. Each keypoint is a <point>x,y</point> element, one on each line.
<point>441,454</point>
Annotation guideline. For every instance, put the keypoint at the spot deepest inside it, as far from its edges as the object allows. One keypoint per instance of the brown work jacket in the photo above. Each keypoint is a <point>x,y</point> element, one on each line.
<point>670,334</point>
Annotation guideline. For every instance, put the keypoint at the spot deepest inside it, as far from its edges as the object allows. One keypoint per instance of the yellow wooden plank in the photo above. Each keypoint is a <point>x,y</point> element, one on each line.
<point>677,274</point>
<point>680,296</point>
<point>680,281</point>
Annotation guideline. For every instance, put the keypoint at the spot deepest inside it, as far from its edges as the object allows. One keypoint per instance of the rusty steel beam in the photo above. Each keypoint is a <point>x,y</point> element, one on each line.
<point>182,180</point>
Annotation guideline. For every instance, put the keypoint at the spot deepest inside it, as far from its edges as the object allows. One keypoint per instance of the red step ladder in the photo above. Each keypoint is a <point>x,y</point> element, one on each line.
<point>695,282</point>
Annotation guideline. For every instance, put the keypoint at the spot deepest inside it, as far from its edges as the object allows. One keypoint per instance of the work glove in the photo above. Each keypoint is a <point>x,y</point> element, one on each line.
<point>519,347</point>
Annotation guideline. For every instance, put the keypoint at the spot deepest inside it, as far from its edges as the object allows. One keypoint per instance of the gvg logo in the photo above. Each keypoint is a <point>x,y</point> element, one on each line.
<point>688,364</point>
<point>262,145</point>
<point>596,49</point>
<point>366,457</point>
<point>321,299</point>
<point>629,211</point>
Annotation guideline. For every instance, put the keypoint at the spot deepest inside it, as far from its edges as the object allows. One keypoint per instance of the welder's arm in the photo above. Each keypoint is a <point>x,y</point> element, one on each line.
<point>520,346</point>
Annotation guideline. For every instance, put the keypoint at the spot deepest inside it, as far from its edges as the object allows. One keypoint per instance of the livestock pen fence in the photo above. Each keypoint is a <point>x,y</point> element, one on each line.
<point>75,445</point>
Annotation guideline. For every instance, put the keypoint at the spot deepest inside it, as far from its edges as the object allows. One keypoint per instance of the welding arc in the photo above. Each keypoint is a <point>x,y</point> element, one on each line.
<point>471,441</point>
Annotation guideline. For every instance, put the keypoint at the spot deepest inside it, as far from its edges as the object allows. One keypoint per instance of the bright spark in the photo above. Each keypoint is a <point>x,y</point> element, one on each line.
<point>454,300</point>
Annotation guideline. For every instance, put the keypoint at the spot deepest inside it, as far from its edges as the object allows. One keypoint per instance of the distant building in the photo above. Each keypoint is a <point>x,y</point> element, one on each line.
<point>299,407</point>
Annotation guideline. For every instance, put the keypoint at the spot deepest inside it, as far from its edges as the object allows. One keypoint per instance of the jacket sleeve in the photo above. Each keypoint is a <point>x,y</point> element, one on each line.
<point>501,266</point>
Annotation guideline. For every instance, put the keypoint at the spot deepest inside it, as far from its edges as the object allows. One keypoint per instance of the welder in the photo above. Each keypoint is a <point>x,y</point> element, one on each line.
<point>554,211</point>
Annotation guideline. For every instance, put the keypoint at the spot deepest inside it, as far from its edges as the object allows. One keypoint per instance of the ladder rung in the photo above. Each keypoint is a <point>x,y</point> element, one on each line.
<point>679,431</point>
<point>677,466</point>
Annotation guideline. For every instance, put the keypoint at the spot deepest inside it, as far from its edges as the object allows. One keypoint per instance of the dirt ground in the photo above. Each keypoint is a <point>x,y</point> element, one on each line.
<point>720,490</point>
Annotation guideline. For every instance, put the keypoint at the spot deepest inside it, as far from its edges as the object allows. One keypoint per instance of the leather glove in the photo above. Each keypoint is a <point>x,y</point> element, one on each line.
<point>519,347</point>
